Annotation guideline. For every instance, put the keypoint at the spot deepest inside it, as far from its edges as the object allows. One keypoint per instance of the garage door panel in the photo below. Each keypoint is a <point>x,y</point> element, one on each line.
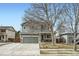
<point>30,39</point>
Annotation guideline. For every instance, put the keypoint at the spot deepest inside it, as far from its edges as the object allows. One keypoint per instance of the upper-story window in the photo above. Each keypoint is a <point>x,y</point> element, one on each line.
<point>3,30</point>
<point>42,27</point>
<point>32,27</point>
<point>24,27</point>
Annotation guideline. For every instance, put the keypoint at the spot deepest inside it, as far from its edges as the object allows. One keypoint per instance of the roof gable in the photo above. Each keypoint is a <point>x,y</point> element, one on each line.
<point>7,28</point>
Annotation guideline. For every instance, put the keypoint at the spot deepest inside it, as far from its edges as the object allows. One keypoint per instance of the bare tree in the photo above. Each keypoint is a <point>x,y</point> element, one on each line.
<point>71,13</point>
<point>44,12</point>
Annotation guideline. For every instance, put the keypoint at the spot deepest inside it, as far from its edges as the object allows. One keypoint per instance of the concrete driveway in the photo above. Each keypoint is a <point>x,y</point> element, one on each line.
<point>19,49</point>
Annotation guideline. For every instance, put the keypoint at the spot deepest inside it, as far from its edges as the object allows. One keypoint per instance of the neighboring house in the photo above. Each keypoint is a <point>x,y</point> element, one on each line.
<point>7,33</point>
<point>64,35</point>
<point>69,37</point>
<point>34,31</point>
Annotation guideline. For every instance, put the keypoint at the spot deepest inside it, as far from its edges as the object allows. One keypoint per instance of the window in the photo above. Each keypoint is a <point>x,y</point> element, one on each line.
<point>32,27</point>
<point>42,28</point>
<point>3,30</point>
<point>24,27</point>
<point>48,36</point>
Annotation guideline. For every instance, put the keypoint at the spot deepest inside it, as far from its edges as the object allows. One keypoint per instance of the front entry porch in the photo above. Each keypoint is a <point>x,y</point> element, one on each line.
<point>45,37</point>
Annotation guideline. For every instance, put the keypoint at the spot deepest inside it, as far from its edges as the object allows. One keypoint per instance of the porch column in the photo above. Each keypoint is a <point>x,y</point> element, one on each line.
<point>39,39</point>
<point>67,41</point>
<point>5,39</point>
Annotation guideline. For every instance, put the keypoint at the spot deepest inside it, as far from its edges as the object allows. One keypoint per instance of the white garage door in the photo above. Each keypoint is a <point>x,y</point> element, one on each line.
<point>30,40</point>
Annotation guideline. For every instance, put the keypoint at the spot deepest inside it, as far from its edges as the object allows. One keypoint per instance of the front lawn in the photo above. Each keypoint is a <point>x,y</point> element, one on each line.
<point>56,46</point>
<point>58,49</point>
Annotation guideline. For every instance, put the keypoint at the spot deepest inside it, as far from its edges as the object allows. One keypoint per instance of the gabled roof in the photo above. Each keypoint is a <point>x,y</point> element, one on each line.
<point>8,28</point>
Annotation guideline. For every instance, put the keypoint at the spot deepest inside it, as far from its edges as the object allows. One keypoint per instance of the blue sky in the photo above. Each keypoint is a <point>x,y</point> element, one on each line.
<point>11,14</point>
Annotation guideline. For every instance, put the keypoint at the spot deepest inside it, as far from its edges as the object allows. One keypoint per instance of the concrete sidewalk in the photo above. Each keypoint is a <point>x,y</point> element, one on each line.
<point>19,49</point>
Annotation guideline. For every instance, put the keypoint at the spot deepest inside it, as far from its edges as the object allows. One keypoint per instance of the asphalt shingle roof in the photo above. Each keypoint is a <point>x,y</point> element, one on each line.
<point>7,27</point>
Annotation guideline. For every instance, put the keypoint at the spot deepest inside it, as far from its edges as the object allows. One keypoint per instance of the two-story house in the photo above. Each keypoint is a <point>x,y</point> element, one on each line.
<point>7,33</point>
<point>34,31</point>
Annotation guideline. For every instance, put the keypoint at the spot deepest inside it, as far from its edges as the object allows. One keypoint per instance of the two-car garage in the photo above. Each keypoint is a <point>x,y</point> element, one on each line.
<point>34,38</point>
<point>30,39</point>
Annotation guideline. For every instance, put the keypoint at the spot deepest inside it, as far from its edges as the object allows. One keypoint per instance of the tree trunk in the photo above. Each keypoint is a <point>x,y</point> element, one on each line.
<point>52,35</point>
<point>75,33</point>
<point>74,42</point>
